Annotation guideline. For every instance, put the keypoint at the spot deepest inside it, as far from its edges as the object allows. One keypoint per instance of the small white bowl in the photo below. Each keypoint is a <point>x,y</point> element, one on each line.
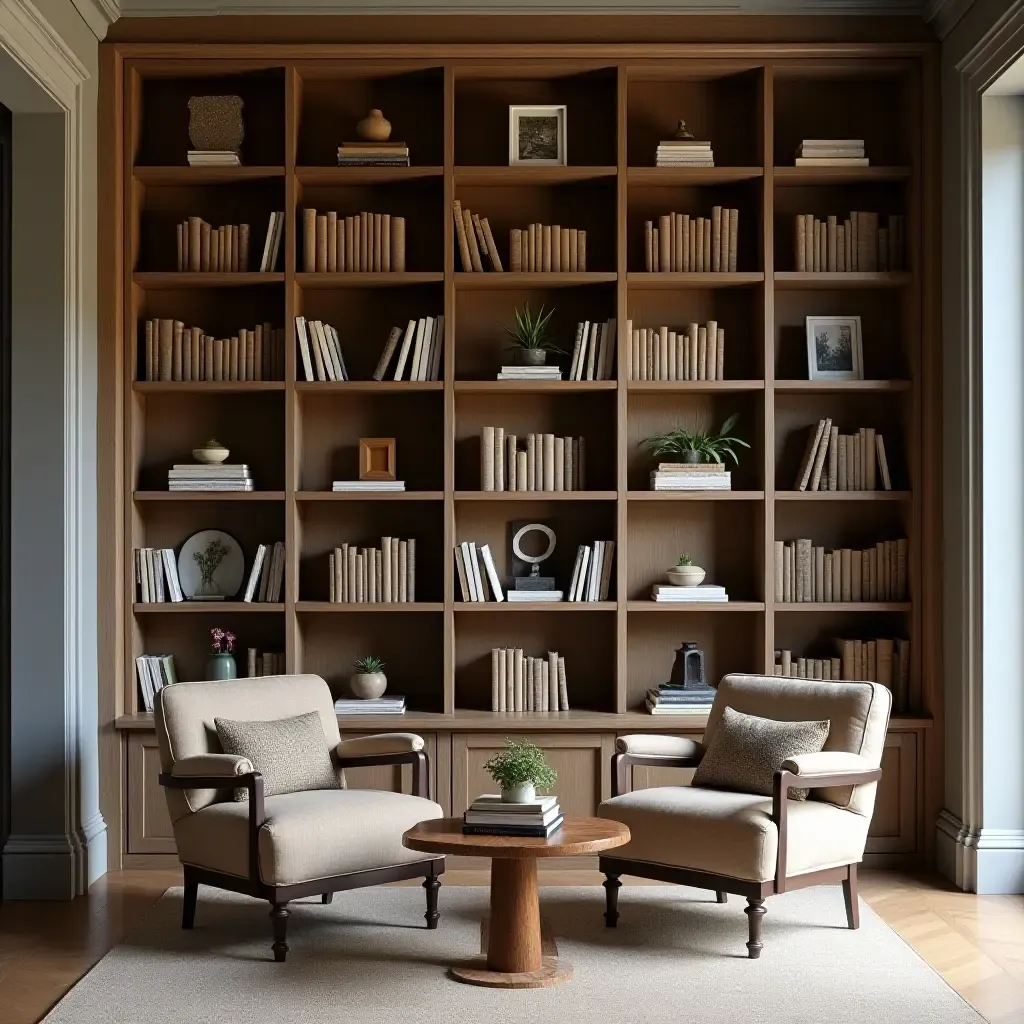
<point>210,453</point>
<point>686,575</point>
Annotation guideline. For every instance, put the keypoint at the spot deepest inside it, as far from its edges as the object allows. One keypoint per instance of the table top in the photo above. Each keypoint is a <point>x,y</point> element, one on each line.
<point>576,836</point>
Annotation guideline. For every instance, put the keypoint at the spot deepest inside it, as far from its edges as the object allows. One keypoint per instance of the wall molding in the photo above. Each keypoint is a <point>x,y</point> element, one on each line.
<point>943,15</point>
<point>985,860</point>
<point>99,15</point>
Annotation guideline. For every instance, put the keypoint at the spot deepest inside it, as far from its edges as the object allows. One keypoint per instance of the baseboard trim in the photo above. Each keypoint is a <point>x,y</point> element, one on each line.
<point>987,861</point>
<point>40,867</point>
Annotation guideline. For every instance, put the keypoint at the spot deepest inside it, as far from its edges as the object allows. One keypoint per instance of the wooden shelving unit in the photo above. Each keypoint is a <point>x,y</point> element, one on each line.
<point>755,104</point>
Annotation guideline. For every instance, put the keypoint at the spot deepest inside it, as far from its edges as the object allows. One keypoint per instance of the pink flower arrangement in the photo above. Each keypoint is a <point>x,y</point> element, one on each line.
<point>221,641</point>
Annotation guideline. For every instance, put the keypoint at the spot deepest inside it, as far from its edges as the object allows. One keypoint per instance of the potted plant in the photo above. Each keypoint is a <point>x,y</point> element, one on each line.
<point>530,336</point>
<point>368,681</point>
<point>519,769</point>
<point>685,574</point>
<point>694,446</point>
<point>221,662</point>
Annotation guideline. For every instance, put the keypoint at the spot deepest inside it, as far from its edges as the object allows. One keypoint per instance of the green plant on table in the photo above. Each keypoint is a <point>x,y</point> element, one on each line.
<point>371,663</point>
<point>530,330</point>
<point>709,447</point>
<point>521,763</point>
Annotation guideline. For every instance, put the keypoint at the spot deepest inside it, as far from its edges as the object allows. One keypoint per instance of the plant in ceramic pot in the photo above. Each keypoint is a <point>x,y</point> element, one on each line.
<point>685,574</point>
<point>221,662</point>
<point>368,681</point>
<point>695,446</point>
<point>530,336</point>
<point>519,769</point>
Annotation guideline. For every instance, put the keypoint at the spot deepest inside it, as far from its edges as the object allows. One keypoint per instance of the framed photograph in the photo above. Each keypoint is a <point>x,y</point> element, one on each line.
<point>377,458</point>
<point>834,348</point>
<point>536,135</point>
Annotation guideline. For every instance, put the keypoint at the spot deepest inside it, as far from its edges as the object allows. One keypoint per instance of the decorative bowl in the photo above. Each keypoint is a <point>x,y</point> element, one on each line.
<point>686,575</point>
<point>368,685</point>
<point>211,452</point>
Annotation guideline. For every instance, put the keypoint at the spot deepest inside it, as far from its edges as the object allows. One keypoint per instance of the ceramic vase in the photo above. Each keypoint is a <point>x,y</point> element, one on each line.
<point>368,685</point>
<point>221,666</point>
<point>375,127</point>
<point>690,458</point>
<point>686,575</point>
<point>521,794</point>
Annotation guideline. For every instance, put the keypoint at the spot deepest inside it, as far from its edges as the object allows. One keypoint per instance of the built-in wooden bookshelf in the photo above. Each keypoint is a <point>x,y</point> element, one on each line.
<point>755,104</point>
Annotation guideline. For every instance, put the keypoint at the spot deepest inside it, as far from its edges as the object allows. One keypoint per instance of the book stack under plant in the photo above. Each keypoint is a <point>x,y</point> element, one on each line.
<point>373,154</point>
<point>176,352</point>
<point>475,241</point>
<point>665,353</point>
<point>270,663</point>
<point>666,593</point>
<point>217,476</point>
<point>592,571</point>
<point>851,460</point>
<point>679,243</point>
<point>155,671</point>
<point>699,458</point>
<point>808,573</point>
<point>831,153</point>
<point>547,249</point>
<point>360,243</point>
<point>416,350</point>
<point>156,576</point>
<point>691,476</point>
<point>854,244</point>
<point>384,575</point>
<point>544,463</point>
<point>369,706</point>
<point>672,699</point>
<point>489,815</point>
<point>522,683</point>
<point>683,151</point>
<point>266,577</point>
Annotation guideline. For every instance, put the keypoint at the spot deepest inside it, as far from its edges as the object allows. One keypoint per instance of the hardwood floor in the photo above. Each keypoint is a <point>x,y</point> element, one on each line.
<point>975,942</point>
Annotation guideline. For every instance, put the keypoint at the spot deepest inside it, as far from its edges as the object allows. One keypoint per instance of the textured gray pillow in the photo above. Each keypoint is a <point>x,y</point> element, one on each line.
<point>745,752</point>
<point>290,753</point>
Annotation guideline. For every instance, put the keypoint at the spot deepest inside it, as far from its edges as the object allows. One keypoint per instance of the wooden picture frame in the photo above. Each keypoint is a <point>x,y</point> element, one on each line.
<point>377,458</point>
<point>834,348</point>
<point>530,132</point>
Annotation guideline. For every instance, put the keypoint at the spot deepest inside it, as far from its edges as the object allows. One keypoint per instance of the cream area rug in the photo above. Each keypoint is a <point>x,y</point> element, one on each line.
<point>676,957</point>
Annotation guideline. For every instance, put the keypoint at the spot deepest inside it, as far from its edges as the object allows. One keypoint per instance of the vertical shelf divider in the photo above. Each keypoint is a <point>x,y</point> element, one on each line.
<point>621,688</point>
<point>448,231</point>
<point>768,402</point>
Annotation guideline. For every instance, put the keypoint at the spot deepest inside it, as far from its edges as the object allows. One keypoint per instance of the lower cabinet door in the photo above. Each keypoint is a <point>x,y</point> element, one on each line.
<point>894,824</point>
<point>396,778</point>
<point>149,824</point>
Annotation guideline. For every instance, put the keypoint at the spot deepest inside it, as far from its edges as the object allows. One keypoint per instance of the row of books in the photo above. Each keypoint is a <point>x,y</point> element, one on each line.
<point>547,249</point>
<point>805,572</point>
<point>831,153</point>
<point>546,463</point>
<point>373,154</point>
<point>681,243</point>
<point>662,353</point>
<point>266,577</point>
<point>373,575</point>
<point>685,476</point>
<point>489,815</point>
<point>218,476</point>
<point>852,460</point>
<point>856,243</point>
<point>418,356</point>
<point>270,663</point>
<point>669,699</point>
<point>684,153</point>
<point>156,576</point>
<point>204,248</point>
<point>320,350</point>
<point>369,706</point>
<point>360,243</point>
<point>593,352</point>
<point>666,593</point>
<point>522,683</point>
<point>155,671</point>
<point>592,571</point>
<point>176,352</point>
<point>475,240</point>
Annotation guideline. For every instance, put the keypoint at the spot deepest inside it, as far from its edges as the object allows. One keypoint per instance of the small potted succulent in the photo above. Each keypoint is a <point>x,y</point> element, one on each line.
<point>368,681</point>
<point>685,574</point>
<point>696,446</point>
<point>519,769</point>
<point>530,336</point>
<point>221,662</point>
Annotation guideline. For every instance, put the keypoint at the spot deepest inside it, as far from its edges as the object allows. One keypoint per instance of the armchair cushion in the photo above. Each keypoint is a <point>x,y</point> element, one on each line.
<point>746,751</point>
<point>291,753</point>
<point>307,835</point>
<point>659,746</point>
<point>228,765</point>
<point>381,743</point>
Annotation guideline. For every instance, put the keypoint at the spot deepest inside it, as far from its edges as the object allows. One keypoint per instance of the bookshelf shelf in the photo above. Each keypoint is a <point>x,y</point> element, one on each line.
<point>532,387</point>
<point>639,279</point>
<point>830,496</point>
<point>173,175</point>
<point>514,496</point>
<point>391,279</point>
<point>643,176</point>
<point>853,279</point>
<point>181,279</point>
<point>188,496</point>
<point>210,387</point>
<point>525,175</point>
<point>695,607</point>
<point>347,176</point>
<point>694,386</point>
<point>380,608</point>
<point>840,607</point>
<point>490,281</point>
<point>369,495</point>
<point>368,386</point>
<point>840,386</point>
<point>534,606</point>
<point>695,495</point>
<point>838,175</point>
<point>208,608</point>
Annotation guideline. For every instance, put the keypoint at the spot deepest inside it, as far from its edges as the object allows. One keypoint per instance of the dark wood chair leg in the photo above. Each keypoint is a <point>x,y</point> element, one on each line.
<point>279,919</point>
<point>850,896</point>
<point>432,884</point>
<point>754,911</point>
<point>611,889</point>
<point>722,897</point>
<point>188,905</point>
<point>327,897</point>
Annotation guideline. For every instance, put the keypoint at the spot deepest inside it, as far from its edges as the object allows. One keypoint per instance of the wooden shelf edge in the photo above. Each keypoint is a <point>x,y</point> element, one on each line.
<point>830,496</point>
<point>792,175</point>
<point>495,280</point>
<point>172,279</point>
<point>199,607</point>
<point>211,387</point>
<point>646,279</point>
<point>695,495</point>
<point>694,386</point>
<point>368,386</point>
<point>369,279</point>
<point>369,495</point>
<point>492,175</point>
<point>536,495</point>
<point>842,606</point>
<point>695,606</point>
<point>824,386</point>
<point>336,607</point>
<point>845,279</point>
<point>535,606</point>
<point>527,387</point>
<point>208,496</point>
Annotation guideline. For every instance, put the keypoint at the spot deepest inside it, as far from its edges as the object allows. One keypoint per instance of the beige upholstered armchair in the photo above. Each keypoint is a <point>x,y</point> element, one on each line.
<point>747,844</point>
<point>295,844</point>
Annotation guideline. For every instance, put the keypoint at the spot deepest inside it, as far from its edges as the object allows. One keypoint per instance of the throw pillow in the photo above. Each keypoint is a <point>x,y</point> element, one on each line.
<point>290,753</point>
<point>745,752</point>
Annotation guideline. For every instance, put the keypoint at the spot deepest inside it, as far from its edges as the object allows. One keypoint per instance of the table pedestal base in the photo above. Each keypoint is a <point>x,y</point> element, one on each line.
<point>476,972</point>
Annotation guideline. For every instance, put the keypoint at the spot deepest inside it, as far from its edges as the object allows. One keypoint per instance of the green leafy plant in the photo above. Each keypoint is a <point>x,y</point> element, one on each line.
<point>209,559</point>
<point>521,763</point>
<point>371,663</point>
<point>531,330</point>
<point>709,447</point>
<point>683,561</point>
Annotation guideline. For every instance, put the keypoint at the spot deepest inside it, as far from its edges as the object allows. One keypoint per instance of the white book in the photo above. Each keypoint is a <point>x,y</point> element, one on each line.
<point>403,354</point>
<point>492,573</point>
<point>156,560</point>
<point>580,362</point>
<point>171,572</point>
<point>339,357</point>
<point>145,591</point>
<point>539,596</point>
<point>210,486</point>
<point>832,161</point>
<point>268,244</point>
<point>581,580</point>
<point>596,566</point>
<point>474,566</point>
<point>576,571</point>
<point>702,589</point>
<point>307,362</point>
<point>422,326</point>
<point>438,347</point>
<point>325,350</point>
<point>254,573</point>
<point>468,560</point>
<point>217,469</point>
<point>145,685</point>
<point>368,485</point>
<point>317,352</point>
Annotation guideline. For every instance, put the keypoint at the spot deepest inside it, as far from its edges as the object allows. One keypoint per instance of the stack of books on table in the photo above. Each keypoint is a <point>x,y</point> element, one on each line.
<point>831,153</point>
<point>675,700</point>
<point>490,816</point>
<point>530,373</point>
<point>219,476</point>
<point>370,706</point>
<point>666,593</point>
<point>679,476</point>
<point>684,153</point>
<point>373,154</point>
<point>213,158</point>
<point>368,485</point>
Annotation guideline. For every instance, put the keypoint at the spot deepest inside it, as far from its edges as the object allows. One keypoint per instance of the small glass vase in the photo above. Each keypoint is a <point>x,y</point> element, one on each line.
<point>221,666</point>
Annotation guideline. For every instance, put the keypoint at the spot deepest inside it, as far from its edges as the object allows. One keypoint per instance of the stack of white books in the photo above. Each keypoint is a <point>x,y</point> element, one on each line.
<point>678,476</point>
<point>592,573</point>
<point>368,485</point>
<point>370,706</point>
<point>478,575</point>
<point>684,153</point>
<point>213,158</point>
<point>489,815</point>
<point>664,593</point>
<point>530,373</point>
<point>219,476</point>
<point>831,153</point>
<point>526,596</point>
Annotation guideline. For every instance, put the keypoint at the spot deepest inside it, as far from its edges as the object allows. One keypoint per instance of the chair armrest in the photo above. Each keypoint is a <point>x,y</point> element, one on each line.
<point>214,765</point>
<point>657,751</point>
<point>826,762</point>
<point>388,748</point>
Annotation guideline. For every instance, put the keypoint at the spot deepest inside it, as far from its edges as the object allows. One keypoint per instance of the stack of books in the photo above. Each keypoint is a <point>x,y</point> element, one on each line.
<point>805,571</point>
<point>213,158</point>
<point>219,476</point>
<point>530,373</point>
<point>360,243</point>
<point>547,249</point>
<point>373,154</point>
<point>155,672</point>
<point>852,460</point>
<point>684,153</point>
<point>681,243</point>
<point>685,476</point>
<point>831,153</point>
<point>368,485</point>
<point>488,815</point>
<point>548,463</point>
<point>666,353</point>
<point>370,706</point>
<point>665,593</point>
<point>528,596</point>
<point>668,699</point>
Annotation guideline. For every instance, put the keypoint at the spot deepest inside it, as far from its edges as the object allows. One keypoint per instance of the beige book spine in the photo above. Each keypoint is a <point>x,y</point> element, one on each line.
<point>398,245</point>
<point>551,678</point>
<point>521,472</point>
<point>403,571</point>
<point>176,338</point>
<point>581,250</point>
<point>826,576</point>
<point>702,353</point>
<point>460,237</point>
<point>492,247</point>
<point>376,242</point>
<point>497,661</point>
<point>810,259</point>
<point>818,589</point>
<point>664,357</point>
<point>243,247</point>
<point>671,345</point>
<point>686,244</point>
<point>720,358</point>
<point>567,470</point>
<point>181,231</point>
<point>665,243</point>
<point>656,250</point>
<point>309,240</point>
<point>832,240</point>
<point>195,243</point>
<point>859,580</point>
<point>846,569</point>
<point>870,459</point>
<point>205,232</point>
<point>716,240</point>
<point>321,243</point>
<point>487,459</point>
<point>332,590</point>
<point>778,564</point>
<point>498,458</point>
<point>559,464</point>
<point>529,248</point>
<point>411,571</point>
<point>340,575</point>
<point>545,258</point>
<point>556,249</point>
<point>149,369</point>
<point>564,258</point>
<point>574,249</point>
<point>511,483</point>
<point>515,248</point>
<point>699,246</point>
<point>502,662</point>
<point>677,242</point>
<point>800,248</point>
<point>531,462</point>
<point>332,242</point>
<point>549,462</point>
<point>841,248</point>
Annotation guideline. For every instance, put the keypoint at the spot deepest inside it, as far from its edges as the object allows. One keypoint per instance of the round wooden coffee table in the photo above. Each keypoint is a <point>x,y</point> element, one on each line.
<point>516,955</point>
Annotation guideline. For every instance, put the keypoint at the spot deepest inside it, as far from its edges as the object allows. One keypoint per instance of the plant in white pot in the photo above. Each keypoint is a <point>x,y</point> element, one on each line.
<point>368,681</point>
<point>685,574</point>
<point>519,769</point>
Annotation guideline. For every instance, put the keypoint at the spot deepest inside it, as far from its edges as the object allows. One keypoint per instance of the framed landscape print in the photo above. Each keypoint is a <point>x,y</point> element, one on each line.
<point>834,349</point>
<point>536,135</point>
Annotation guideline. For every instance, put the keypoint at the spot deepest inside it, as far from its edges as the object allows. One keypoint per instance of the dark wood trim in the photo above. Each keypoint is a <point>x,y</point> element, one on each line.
<point>418,760</point>
<point>850,897</point>
<point>6,171</point>
<point>622,763</point>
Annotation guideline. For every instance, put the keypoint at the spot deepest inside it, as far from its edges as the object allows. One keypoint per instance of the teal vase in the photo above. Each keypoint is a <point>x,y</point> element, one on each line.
<point>221,666</point>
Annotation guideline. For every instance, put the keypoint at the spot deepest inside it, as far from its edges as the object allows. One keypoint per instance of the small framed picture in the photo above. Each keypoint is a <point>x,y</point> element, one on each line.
<point>834,348</point>
<point>536,135</point>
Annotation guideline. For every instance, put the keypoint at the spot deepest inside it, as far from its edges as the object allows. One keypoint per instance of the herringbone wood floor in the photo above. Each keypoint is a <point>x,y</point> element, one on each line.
<point>975,942</point>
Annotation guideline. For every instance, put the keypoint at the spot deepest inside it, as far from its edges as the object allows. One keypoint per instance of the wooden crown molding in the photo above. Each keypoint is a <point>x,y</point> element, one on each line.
<point>944,15</point>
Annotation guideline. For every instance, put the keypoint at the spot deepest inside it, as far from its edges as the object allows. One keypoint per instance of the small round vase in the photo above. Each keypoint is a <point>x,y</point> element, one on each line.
<point>368,685</point>
<point>210,453</point>
<point>521,794</point>
<point>375,127</point>
<point>686,575</point>
<point>221,666</point>
<point>531,356</point>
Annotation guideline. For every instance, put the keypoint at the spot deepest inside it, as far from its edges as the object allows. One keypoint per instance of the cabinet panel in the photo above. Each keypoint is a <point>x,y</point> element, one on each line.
<point>149,824</point>
<point>894,825</point>
<point>394,778</point>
